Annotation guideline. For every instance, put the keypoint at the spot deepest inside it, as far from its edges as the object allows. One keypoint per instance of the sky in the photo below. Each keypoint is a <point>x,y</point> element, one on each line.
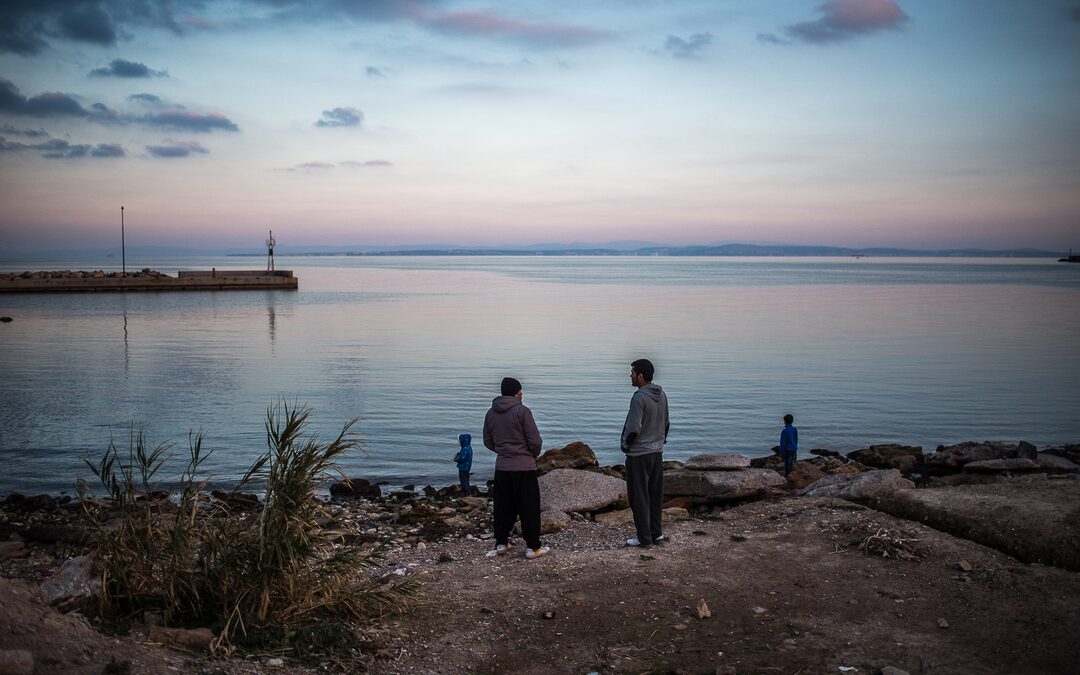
<point>916,123</point>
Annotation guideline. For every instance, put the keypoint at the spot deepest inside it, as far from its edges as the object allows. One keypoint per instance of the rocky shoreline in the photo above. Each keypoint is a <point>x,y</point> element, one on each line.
<point>885,513</point>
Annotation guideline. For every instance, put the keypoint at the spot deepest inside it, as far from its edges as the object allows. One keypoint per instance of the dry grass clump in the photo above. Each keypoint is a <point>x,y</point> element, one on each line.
<point>278,571</point>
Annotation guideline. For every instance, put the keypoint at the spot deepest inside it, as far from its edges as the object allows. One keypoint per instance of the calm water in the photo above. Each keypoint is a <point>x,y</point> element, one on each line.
<point>860,351</point>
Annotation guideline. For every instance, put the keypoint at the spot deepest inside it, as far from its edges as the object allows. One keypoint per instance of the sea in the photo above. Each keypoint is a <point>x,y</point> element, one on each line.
<point>860,350</point>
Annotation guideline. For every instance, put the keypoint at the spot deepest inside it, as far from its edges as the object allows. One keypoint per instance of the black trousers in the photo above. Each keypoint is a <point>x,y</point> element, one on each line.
<point>517,494</point>
<point>645,490</point>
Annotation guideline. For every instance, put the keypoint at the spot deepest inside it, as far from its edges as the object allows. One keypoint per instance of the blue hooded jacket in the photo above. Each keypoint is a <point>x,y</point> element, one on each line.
<point>464,456</point>
<point>789,440</point>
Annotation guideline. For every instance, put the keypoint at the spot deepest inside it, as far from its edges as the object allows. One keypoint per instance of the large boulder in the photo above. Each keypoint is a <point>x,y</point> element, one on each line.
<point>889,456</point>
<point>576,490</point>
<point>833,465</point>
<point>857,487</point>
<point>1033,520</point>
<point>1070,452</point>
<point>355,487</point>
<point>804,474</point>
<point>719,486</point>
<point>576,455</point>
<point>77,581</point>
<point>953,457</point>
<point>773,461</point>
<point>553,521</point>
<point>623,516</point>
<point>1056,463</point>
<point>717,463</point>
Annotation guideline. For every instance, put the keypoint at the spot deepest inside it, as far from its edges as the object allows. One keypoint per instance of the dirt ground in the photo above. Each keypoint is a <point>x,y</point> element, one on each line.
<point>788,587</point>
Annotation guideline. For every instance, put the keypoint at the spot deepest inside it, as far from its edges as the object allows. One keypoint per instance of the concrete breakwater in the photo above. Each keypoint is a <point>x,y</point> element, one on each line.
<point>66,281</point>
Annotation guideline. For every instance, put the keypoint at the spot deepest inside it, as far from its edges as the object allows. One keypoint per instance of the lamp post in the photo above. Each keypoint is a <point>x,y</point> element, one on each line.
<point>123,254</point>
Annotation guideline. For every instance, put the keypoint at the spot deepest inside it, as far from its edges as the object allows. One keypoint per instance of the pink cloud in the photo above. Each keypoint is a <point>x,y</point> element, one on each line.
<point>845,19</point>
<point>481,23</point>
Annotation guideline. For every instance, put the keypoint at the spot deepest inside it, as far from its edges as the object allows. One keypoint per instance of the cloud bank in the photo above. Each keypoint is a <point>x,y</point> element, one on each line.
<point>490,25</point>
<point>172,149</point>
<point>846,19</point>
<point>56,148</point>
<point>55,104</point>
<point>341,117</point>
<point>689,48</point>
<point>122,68</point>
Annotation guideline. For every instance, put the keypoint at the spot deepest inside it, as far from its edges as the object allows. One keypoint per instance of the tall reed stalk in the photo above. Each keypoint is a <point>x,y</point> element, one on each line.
<point>198,563</point>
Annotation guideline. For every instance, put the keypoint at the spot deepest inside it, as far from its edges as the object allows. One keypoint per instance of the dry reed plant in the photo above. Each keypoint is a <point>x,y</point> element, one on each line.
<point>278,571</point>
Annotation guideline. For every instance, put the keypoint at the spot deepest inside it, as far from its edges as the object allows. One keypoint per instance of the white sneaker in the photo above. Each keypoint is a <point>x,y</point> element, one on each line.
<point>659,540</point>
<point>501,549</point>
<point>531,553</point>
<point>633,541</point>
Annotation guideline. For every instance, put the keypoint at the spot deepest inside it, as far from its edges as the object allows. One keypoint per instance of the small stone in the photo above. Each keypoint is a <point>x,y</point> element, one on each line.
<point>420,546</point>
<point>679,626</point>
<point>12,549</point>
<point>198,639</point>
<point>703,609</point>
<point>275,663</point>
<point>965,565</point>
<point>759,610</point>
<point>549,615</point>
<point>942,623</point>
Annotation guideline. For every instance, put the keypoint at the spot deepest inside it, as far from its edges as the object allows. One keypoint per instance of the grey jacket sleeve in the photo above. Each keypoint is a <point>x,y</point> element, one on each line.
<point>532,433</point>
<point>633,422</point>
<point>489,439</point>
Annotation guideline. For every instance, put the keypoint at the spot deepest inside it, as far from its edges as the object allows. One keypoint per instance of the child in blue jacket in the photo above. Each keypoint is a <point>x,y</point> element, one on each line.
<point>464,462</point>
<point>789,443</point>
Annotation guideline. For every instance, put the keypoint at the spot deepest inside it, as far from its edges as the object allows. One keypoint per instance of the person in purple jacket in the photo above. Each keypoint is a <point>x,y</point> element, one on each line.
<point>510,432</point>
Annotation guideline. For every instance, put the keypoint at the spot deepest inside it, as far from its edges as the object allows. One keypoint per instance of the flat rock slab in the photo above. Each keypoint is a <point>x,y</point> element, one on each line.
<point>1035,521</point>
<point>858,487</point>
<point>717,463</point>
<point>719,486</point>
<point>577,490</point>
<point>889,456</point>
<point>1056,464</point>
<point>994,465</point>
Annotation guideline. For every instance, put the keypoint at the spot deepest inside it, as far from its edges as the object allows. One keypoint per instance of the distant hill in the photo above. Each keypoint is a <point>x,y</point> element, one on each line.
<point>614,248</point>
<point>748,250</point>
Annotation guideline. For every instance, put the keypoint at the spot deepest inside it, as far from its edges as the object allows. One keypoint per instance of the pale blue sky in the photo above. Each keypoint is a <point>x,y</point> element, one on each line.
<point>846,122</point>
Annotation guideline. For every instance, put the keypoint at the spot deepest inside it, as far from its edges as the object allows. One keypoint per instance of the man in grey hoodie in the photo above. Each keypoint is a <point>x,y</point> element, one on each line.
<point>643,438</point>
<point>510,432</point>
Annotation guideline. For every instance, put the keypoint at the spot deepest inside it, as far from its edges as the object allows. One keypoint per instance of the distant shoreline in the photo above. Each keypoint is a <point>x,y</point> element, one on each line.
<point>731,250</point>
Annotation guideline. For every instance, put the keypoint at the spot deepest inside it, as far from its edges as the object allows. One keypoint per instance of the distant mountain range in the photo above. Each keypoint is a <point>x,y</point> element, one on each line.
<point>614,248</point>
<point>648,249</point>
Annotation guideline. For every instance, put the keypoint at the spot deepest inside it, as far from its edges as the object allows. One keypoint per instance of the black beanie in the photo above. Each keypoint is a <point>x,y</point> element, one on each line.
<point>510,386</point>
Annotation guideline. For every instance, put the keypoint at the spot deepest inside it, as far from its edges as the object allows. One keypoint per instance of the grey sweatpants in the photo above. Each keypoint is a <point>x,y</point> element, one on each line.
<point>645,490</point>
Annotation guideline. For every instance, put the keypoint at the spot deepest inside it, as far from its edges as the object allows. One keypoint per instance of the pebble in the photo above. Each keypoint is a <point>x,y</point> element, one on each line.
<point>275,663</point>
<point>703,611</point>
<point>942,623</point>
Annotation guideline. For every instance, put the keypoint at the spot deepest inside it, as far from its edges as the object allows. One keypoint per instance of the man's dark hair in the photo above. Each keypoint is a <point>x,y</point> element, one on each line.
<point>644,368</point>
<point>788,419</point>
<point>510,386</point>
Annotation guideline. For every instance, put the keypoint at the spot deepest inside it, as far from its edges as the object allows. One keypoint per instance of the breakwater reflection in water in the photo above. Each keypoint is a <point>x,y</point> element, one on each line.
<point>861,351</point>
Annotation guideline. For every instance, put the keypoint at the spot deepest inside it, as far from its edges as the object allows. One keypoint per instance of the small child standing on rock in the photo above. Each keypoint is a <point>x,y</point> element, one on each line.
<point>789,443</point>
<point>464,462</point>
